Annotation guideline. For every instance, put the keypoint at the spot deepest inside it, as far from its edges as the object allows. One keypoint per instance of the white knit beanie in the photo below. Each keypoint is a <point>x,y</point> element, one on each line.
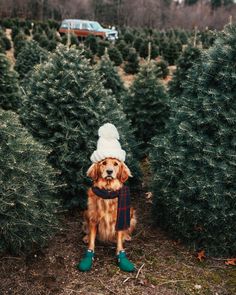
<point>108,145</point>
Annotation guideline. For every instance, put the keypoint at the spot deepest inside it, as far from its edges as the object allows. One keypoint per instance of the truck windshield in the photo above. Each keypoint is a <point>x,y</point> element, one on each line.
<point>96,26</point>
<point>64,25</point>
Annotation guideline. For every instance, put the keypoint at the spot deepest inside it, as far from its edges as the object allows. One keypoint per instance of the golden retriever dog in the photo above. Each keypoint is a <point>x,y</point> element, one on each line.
<point>100,216</point>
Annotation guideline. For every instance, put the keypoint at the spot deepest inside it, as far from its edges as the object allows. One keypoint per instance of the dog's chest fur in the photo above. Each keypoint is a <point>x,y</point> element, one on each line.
<point>103,213</point>
<point>107,218</point>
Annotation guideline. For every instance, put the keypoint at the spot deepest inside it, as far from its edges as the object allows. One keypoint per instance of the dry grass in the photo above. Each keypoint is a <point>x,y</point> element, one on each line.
<point>128,79</point>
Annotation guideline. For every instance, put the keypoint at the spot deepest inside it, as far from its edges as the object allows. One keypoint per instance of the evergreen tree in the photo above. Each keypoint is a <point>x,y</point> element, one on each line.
<point>27,31</point>
<point>217,3</point>
<point>19,43</point>
<point>43,40</point>
<point>73,39</point>
<point>10,95</point>
<point>161,69</point>
<point>52,44</point>
<point>123,48</point>
<point>50,34</point>
<point>207,38</point>
<point>36,36</point>
<point>6,43</point>
<point>147,105</point>
<point>2,47</point>
<point>188,58</point>
<point>30,55</point>
<point>194,163</point>
<point>190,2</point>
<point>128,38</point>
<point>7,23</point>
<point>111,77</point>
<point>132,64</point>
<point>137,43</point>
<point>14,32</point>
<point>102,45</point>
<point>115,55</point>
<point>87,53</point>
<point>27,205</point>
<point>143,50</point>
<point>162,43</point>
<point>92,43</point>
<point>171,50</point>
<point>66,103</point>
<point>183,36</point>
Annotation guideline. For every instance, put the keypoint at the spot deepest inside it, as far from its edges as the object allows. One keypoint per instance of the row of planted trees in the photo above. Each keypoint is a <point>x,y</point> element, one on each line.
<point>131,45</point>
<point>63,104</point>
<point>187,134</point>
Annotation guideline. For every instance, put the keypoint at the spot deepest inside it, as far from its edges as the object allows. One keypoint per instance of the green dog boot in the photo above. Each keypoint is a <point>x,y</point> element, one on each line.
<point>124,263</point>
<point>86,262</point>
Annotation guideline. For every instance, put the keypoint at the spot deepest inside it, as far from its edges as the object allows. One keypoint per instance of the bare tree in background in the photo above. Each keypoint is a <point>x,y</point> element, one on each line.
<point>139,13</point>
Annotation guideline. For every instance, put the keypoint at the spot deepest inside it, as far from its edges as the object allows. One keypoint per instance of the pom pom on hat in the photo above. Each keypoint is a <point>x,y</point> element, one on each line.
<point>108,144</point>
<point>108,130</point>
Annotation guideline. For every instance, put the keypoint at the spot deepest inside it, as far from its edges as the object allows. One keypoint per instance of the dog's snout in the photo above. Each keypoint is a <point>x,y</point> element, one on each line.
<point>109,172</point>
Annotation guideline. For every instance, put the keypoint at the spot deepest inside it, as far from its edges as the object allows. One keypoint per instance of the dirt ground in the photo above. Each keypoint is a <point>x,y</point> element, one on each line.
<point>164,266</point>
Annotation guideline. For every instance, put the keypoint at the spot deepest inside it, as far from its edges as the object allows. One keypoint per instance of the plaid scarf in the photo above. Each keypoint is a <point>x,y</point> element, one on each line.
<point>123,209</point>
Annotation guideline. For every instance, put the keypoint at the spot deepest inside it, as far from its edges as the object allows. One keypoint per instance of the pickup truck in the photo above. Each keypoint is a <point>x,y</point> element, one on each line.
<point>84,28</point>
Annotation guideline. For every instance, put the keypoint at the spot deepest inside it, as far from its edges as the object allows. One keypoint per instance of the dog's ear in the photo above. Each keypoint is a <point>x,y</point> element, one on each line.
<point>124,173</point>
<point>93,171</point>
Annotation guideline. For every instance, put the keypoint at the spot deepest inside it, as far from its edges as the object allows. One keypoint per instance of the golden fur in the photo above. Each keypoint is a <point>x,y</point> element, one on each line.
<point>100,212</point>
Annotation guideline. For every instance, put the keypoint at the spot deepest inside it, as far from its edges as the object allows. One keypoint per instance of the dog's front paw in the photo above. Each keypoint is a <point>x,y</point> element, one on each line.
<point>86,262</point>
<point>124,263</point>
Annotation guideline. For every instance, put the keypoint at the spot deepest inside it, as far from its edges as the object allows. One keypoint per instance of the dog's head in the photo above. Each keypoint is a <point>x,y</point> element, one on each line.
<point>109,169</point>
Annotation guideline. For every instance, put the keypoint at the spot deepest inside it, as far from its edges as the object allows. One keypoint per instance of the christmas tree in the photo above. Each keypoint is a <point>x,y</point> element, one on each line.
<point>14,32</point>
<point>10,95</point>
<point>115,55</point>
<point>172,50</point>
<point>128,37</point>
<point>161,69</point>
<point>43,40</point>
<point>207,38</point>
<point>144,49</point>
<point>147,105</point>
<point>111,77</point>
<point>6,43</point>
<point>194,163</point>
<point>92,43</point>
<point>66,103</point>
<point>27,205</point>
<point>19,43</point>
<point>2,47</point>
<point>73,39</point>
<point>132,64</point>
<point>138,43</point>
<point>123,48</point>
<point>30,55</point>
<point>102,45</point>
<point>188,58</point>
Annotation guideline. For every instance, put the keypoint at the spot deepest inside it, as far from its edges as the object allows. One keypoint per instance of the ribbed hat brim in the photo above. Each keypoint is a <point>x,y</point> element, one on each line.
<point>100,155</point>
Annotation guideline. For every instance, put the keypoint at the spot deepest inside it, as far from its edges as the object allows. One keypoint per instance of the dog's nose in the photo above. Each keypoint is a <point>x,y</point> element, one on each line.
<point>109,172</point>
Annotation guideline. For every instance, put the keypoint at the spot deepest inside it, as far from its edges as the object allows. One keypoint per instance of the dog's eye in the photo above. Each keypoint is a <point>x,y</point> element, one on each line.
<point>115,164</point>
<point>104,163</point>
